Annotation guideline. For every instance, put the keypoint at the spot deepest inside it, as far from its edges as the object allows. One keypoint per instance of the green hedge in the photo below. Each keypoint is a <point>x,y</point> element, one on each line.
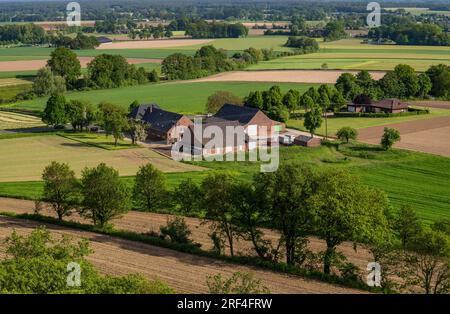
<point>411,112</point>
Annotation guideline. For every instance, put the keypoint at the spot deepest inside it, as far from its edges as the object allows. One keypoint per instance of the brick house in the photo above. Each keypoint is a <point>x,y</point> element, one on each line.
<point>161,124</point>
<point>253,122</point>
<point>382,106</point>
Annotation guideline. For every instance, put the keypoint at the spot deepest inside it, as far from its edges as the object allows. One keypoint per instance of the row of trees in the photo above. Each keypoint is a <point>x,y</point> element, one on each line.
<point>412,34</point>
<point>25,34</point>
<point>403,82</point>
<point>207,60</point>
<point>280,106</point>
<point>198,28</point>
<point>81,115</point>
<point>303,44</point>
<point>63,72</point>
<point>81,41</point>
<point>297,201</point>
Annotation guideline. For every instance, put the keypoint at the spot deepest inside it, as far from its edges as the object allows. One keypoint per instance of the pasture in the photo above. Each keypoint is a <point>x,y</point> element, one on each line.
<point>10,120</point>
<point>23,159</point>
<point>399,173</point>
<point>351,54</point>
<point>182,97</point>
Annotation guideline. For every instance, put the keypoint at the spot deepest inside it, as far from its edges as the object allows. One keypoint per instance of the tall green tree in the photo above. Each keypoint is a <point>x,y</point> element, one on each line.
<point>64,62</point>
<point>291,100</point>
<point>149,188</point>
<point>284,197</point>
<point>47,83</point>
<point>407,225</point>
<point>217,191</point>
<point>255,100</point>
<point>61,189</point>
<point>187,196</point>
<point>346,210</point>
<point>54,112</point>
<point>220,98</point>
<point>313,119</point>
<point>105,196</point>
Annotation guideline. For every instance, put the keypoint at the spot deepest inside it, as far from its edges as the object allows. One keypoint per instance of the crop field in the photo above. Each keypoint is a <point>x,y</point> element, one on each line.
<point>9,120</point>
<point>335,124</point>
<point>183,272</point>
<point>419,11</point>
<point>350,54</point>
<point>183,97</point>
<point>399,173</point>
<point>23,159</point>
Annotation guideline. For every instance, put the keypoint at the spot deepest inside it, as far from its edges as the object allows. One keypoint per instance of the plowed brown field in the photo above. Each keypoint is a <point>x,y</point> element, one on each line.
<point>31,65</point>
<point>428,135</point>
<point>182,272</point>
<point>141,222</point>
<point>283,76</point>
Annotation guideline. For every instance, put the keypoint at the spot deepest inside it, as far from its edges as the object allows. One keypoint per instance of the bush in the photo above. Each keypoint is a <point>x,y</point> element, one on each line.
<point>239,283</point>
<point>177,230</point>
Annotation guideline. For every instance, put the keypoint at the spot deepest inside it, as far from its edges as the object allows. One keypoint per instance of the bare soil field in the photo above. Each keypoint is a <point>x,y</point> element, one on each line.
<point>182,272</point>
<point>31,65</point>
<point>439,104</point>
<point>142,222</point>
<point>288,76</point>
<point>428,136</point>
<point>160,43</point>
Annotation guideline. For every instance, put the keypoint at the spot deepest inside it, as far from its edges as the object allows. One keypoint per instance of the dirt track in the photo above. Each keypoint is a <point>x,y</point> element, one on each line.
<point>439,104</point>
<point>288,76</point>
<point>31,65</point>
<point>182,272</point>
<point>163,43</point>
<point>428,136</point>
<point>141,222</point>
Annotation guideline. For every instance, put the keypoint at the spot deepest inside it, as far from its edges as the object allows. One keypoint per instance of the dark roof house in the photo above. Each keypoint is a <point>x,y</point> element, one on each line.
<point>386,105</point>
<point>161,123</point>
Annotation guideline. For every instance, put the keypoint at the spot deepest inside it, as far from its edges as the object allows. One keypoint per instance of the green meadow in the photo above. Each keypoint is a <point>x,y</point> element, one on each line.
<point>399,173</point>
<point>351,54</point>
<point>183,97</point>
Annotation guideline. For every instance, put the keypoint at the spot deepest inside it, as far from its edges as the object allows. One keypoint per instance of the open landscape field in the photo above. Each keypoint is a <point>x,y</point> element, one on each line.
<point>183,272</point>
<point>351,54</point>
<point>285,76</point>
<point>10,120</point>
<point>182,97</point>
<point>430,136</point>
<point>334,124</point>
<point>399,173</point>
<point>23,159</point>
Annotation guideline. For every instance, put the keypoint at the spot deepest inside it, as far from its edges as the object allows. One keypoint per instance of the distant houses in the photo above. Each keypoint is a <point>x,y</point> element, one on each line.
<point>382,106</point>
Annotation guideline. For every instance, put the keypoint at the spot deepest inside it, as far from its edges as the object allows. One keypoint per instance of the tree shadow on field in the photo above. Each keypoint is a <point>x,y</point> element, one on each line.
<point>156,251</point>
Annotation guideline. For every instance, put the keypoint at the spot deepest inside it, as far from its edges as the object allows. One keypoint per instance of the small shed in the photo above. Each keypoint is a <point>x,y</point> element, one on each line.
<point>307,141</point>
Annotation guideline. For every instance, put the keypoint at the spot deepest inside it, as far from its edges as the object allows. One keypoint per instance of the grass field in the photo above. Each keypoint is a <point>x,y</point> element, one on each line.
<point>180,97</point>
<point>334,124</point>
<point>10,120</point>
<point>421,180</point>
<point>351,54</point>
<point>23,159</point>
<point>99,140</point>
